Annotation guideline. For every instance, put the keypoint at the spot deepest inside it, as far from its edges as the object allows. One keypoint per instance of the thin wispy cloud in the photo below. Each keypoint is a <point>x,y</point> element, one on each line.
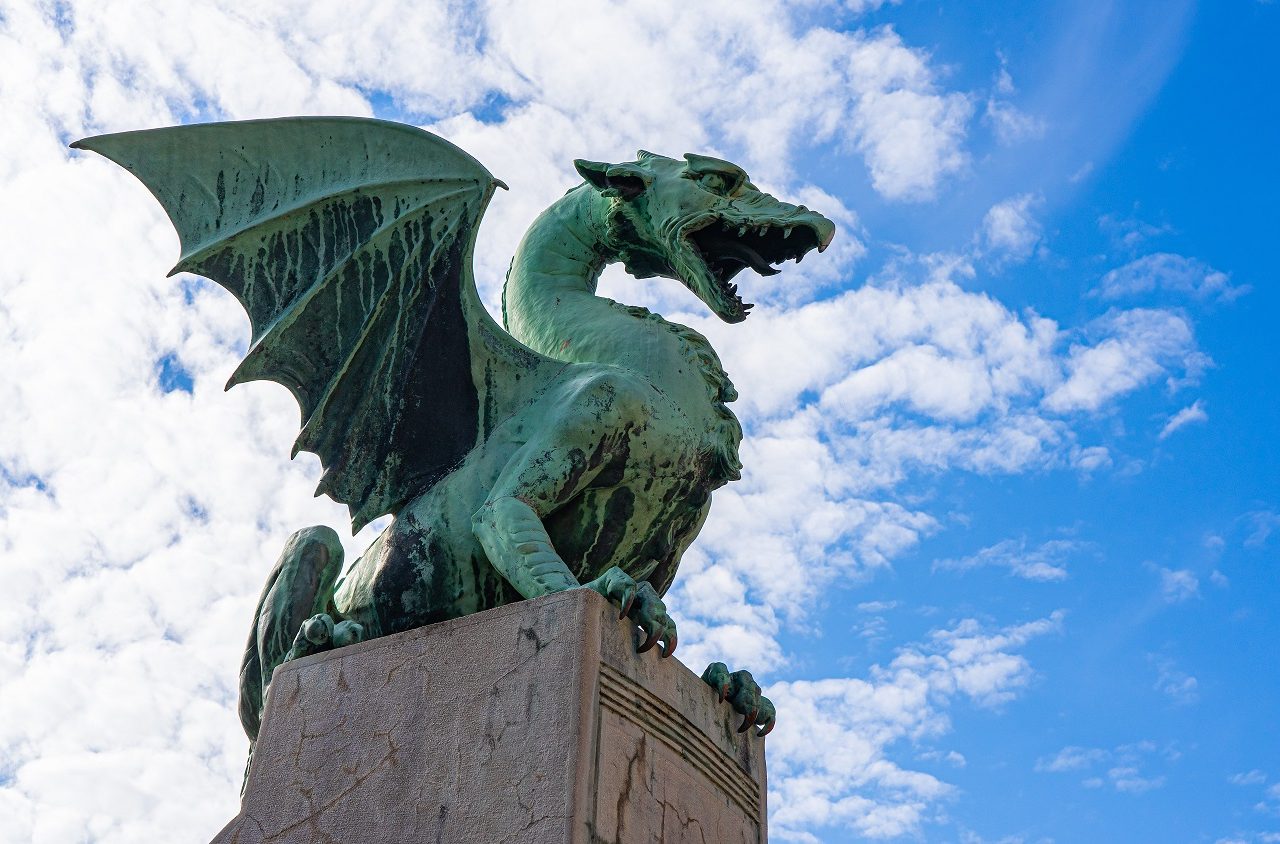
<point>1189,415</point>
<point>1167,272</point>
<point>1043,562</point>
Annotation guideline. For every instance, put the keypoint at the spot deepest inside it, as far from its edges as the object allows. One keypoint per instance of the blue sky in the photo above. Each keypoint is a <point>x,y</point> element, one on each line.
<point>1005,548</point>
<point>1182,146</point>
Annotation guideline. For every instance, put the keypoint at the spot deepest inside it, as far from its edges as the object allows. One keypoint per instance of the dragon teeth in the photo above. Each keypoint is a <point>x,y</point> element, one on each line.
<point>786,233</point>
<point>742,230</point>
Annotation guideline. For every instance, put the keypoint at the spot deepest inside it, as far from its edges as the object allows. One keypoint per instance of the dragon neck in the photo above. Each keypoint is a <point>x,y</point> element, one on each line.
<point>549,303</point>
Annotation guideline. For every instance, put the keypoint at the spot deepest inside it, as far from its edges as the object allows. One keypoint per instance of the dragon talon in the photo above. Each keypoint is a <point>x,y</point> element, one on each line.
<point>649,642</point>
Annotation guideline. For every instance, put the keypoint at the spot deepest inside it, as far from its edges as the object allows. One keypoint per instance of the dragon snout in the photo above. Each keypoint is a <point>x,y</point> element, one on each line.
<point>822,227</point>
<point>796,216</point>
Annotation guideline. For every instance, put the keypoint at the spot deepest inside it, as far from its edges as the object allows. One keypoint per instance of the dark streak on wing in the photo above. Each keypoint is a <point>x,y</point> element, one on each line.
<point>356,276</point>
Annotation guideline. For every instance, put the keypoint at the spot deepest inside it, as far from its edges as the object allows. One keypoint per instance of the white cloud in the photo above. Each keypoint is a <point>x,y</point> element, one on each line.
<point>1045,562</point>
<point>1170,273</point>
<point>1261,524</point>
<point>860,788</point>
<point>1010,230</point>
<point>1128,233</point>
<point>1136,347</point>
<point>1010,124</point>
<point>911,139</point>
<point>951,757</point>
<point>1178,585</point>
<point>136,525</point>
<point>1129,779</point>
<point>1125,766</point>
<point>1091,458</point>
<point>935,379</point>
<point>1253,777</point>
<point>859,7</point>
<point>1180,687</point>
<point>1071,759</point>
<point>1189,415</point>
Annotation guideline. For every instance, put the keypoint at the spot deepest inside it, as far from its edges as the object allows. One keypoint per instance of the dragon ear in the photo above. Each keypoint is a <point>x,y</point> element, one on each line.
<point>625,180</point>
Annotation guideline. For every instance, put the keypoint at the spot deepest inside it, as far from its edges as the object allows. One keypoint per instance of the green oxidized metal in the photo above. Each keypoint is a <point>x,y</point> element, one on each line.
<point>580,449</point>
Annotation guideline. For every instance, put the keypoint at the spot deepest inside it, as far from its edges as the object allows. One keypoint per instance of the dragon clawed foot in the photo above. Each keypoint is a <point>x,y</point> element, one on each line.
<point>640,603</point>
<point>743,694</point>
<point>321,633</point>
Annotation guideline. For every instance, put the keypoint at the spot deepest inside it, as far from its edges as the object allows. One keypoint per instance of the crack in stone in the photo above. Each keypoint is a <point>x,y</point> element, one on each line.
<point>313,811</point>
<point>635,759</point>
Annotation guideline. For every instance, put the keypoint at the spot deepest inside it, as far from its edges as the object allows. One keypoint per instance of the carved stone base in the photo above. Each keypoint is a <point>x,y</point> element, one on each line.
<point>535,722</point>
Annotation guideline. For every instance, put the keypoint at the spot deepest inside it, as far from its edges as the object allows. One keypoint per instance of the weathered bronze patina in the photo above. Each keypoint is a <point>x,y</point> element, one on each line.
<point>579,450</point>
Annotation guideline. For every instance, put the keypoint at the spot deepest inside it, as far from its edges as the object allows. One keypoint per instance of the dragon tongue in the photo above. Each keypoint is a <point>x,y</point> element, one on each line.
<point>750,257</point>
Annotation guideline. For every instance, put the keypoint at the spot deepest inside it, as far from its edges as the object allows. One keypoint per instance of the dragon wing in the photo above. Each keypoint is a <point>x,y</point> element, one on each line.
<point>349,242</point>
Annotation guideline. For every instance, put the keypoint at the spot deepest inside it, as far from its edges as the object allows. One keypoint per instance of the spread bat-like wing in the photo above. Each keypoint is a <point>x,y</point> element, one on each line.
<point>349,242</point>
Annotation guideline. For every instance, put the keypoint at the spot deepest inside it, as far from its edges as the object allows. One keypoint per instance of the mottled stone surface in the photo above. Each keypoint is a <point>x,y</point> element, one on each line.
<point>535,722</point>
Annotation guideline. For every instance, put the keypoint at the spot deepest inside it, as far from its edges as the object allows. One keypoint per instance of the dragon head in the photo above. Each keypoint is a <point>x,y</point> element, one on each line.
<point>701,221</point>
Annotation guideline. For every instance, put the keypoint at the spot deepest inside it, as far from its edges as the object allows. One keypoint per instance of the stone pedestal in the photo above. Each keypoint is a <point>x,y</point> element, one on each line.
<point>535,722</point>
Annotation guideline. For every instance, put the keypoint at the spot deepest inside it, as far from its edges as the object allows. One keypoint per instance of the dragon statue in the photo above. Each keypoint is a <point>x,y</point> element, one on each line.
<point>579,450</point>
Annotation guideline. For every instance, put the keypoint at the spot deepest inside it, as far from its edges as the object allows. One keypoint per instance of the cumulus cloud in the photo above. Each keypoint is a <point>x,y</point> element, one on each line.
<point>860,788</point>
<point>1010,230</point>
<point>1178,585</point>
<point>936,378</point>
<point>910,138</point>
<point>1136,346</point>
<point>1169,273</point>
<point>140,506</point>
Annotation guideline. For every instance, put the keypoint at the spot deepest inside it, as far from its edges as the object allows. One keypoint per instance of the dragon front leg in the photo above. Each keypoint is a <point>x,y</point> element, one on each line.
<point>588,433</point>
<point>743,694</point>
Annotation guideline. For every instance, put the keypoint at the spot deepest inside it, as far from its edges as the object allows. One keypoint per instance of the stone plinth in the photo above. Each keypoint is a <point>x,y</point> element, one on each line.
<point>535,722</point>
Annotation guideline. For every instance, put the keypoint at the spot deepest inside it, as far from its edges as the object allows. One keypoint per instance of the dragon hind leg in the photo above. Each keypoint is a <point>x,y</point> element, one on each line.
<point>292,616</point>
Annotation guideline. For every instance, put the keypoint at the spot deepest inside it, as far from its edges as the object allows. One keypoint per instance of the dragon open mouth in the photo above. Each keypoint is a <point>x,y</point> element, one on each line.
<point>725,247</point>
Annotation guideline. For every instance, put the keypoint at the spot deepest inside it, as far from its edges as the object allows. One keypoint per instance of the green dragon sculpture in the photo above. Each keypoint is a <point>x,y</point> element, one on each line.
<point>578,450</point>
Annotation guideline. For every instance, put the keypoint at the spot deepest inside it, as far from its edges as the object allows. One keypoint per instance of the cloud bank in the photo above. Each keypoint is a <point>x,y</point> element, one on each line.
<point>140,506</point>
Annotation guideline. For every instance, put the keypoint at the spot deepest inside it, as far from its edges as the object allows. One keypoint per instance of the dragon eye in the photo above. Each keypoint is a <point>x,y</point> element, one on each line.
<point>717,183</point>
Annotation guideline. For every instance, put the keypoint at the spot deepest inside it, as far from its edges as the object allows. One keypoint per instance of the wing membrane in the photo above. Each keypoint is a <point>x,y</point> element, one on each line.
<point>348,242</point>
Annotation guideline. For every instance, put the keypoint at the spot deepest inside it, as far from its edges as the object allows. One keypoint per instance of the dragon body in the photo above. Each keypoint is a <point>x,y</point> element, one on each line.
<point>577,448</point>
